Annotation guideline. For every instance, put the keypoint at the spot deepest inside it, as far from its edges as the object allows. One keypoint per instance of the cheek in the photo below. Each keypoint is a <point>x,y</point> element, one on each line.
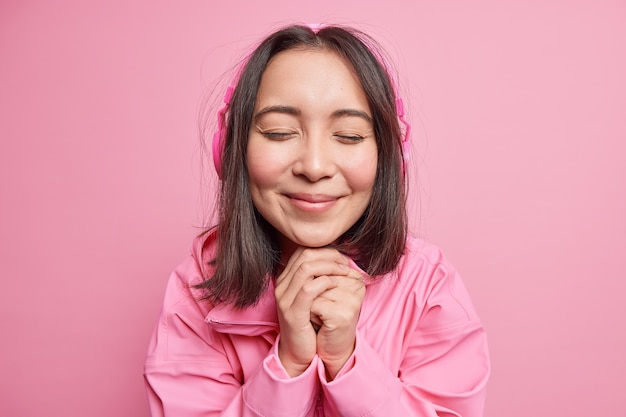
<point>262,168</point>
<point>364,179</point>
<point>362,174</point>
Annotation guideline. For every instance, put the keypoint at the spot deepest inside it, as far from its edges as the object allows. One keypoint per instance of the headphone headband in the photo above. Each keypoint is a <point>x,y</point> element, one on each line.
<point>219,138</point>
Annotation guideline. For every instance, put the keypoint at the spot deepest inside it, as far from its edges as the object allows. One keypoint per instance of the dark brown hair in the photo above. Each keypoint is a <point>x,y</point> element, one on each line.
<point>247,252</point>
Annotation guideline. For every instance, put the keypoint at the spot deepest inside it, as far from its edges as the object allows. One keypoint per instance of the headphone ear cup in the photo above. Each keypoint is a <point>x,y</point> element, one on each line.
<point>406,149</point>
<point>406,144</point>
<point>219,138</point>
<point>218,151</point>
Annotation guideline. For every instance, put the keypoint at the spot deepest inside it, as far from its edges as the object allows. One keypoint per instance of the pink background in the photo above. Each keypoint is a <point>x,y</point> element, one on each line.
<point>519,111</point>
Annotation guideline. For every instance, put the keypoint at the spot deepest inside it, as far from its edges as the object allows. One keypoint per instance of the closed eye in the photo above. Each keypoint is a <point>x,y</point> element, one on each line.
<point>350,138</point>
<point>277,135</point>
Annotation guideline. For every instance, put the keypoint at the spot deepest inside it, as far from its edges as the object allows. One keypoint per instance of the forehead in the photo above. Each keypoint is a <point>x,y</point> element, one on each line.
<point>301,54</point>
<point>319,75</point>
<point>297,59</point>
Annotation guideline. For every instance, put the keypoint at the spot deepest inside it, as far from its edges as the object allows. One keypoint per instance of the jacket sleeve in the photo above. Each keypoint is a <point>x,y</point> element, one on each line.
<point>443,370</point>
<point>189,374</point>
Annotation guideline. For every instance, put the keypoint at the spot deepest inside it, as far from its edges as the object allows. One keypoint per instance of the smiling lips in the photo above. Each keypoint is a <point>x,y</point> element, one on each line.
<point>312,202</point>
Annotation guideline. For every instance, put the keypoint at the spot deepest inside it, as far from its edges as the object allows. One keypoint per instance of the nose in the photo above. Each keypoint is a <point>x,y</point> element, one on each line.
<point>316,158</point>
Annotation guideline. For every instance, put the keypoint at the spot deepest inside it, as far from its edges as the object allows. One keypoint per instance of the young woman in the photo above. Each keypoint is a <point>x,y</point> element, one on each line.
<point>309,298</point>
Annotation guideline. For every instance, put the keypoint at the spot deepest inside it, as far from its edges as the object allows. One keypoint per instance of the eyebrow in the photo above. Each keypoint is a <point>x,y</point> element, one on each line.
<point>296,112</point>
<point>277,109</point>
<point>351,113</point>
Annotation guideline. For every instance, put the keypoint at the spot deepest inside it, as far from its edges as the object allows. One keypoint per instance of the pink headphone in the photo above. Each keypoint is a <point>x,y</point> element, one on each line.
<point>219,138</point>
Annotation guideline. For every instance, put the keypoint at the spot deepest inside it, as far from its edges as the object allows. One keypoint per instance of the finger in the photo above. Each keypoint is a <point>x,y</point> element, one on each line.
<point>312,290</point>
<point>353,273</point>
<point>311,254</point>
<point>297,310</point>
<point>307,264</point>
<point>348,289</point>
<point>327,312</point>
<point>302,255</point>
<point>316,322</point>
<point>339,313</point>
<point>290,264</point>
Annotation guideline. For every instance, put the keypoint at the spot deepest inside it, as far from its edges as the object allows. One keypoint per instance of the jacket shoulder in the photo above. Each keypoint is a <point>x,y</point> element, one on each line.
<point>423,254</point>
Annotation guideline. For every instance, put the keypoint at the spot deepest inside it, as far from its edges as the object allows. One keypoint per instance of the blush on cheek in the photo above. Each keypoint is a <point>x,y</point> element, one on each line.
<point>362,176</point>
<point>364,182</point>
<point>261,172</point>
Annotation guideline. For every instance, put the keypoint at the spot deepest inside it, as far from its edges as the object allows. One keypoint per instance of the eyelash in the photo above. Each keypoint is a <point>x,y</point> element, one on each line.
<point>286,135</point>
<point>276,135</point>
<point>350,138</point>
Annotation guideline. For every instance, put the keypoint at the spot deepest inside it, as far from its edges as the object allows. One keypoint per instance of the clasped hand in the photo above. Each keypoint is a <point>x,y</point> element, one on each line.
<point>319,299</point>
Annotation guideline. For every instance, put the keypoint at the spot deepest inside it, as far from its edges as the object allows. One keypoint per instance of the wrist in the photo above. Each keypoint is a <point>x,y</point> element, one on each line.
<point>292,367</point>
<point>334,367</point>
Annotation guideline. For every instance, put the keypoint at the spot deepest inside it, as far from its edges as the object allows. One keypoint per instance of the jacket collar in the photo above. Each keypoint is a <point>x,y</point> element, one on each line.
<point>250,321</point>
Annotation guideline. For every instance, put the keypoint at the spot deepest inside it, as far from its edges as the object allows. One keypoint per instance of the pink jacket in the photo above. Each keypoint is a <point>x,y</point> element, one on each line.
<point>420,351</point>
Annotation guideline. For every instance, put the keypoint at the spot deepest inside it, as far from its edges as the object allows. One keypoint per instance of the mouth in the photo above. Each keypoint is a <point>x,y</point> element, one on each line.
<point>312,202</point>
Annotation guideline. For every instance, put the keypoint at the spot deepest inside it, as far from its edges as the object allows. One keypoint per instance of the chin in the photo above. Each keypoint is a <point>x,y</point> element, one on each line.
<point>314,241</point>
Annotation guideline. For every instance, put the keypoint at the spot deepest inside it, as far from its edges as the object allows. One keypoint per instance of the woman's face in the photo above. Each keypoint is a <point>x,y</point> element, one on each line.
<point>312,152</point>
